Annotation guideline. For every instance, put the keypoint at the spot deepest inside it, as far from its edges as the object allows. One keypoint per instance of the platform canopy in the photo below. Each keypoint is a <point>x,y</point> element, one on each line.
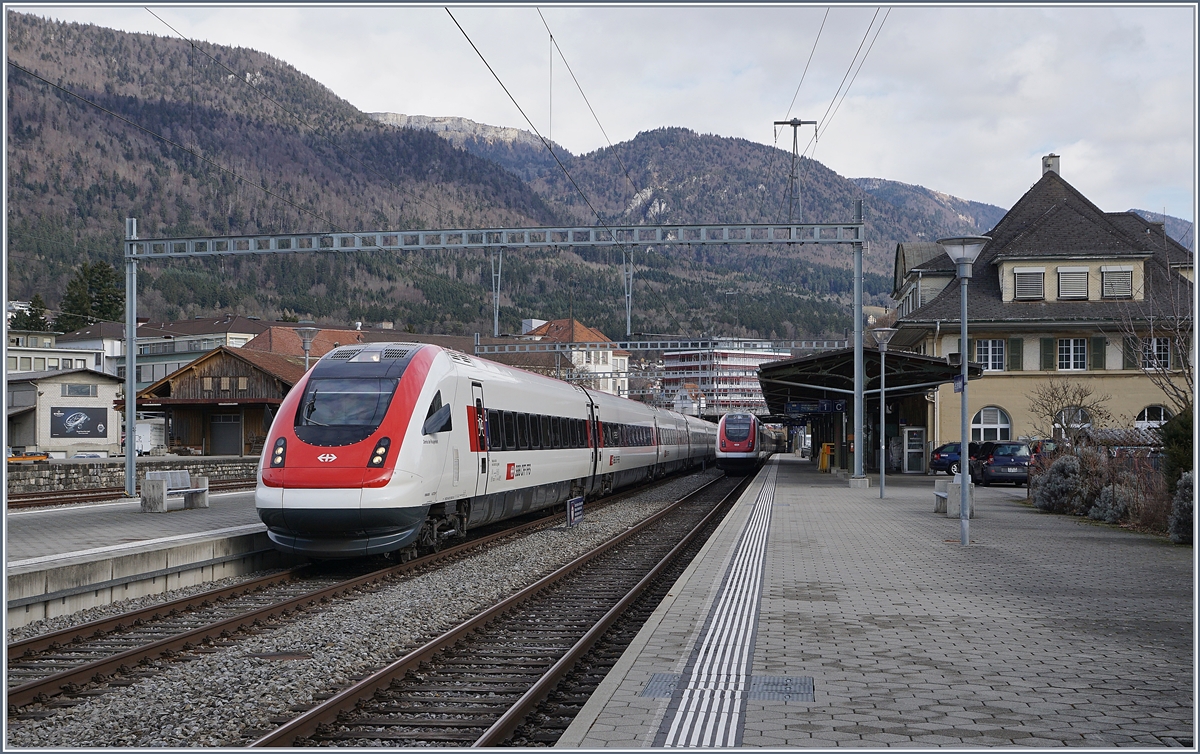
<point>808,380</point>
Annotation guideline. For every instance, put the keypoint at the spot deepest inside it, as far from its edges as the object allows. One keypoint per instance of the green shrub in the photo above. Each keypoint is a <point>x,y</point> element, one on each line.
<point>1177,447</point>
<point>1112,504</point>
<point>1180,525</point>
<point>1058,490</point>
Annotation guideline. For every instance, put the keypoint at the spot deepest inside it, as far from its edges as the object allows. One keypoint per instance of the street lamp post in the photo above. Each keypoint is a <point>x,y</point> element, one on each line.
<point>963,251</point>
<point>882,336</point>
<point>307,333</point>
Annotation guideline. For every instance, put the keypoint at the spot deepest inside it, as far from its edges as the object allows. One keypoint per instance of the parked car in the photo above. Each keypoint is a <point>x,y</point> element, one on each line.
<point>1040,449</point>
<point>1002,461</point>
<point>945,457</point>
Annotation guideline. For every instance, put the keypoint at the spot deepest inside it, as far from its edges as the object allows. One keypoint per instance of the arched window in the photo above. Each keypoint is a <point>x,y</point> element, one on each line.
<point>1070,420</point>
<point>1153,416</point>
<point>991,423</point>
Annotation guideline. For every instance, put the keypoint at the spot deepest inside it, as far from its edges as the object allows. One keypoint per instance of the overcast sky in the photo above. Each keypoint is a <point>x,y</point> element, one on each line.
<point>964,100</point>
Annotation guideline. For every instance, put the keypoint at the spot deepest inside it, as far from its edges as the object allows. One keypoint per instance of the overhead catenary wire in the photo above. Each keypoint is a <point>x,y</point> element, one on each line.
<point>578,86</point>
<point>521,110</point>
<point>776,129</point>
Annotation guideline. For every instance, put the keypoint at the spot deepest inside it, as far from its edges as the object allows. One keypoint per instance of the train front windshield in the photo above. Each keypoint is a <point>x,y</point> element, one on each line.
<point>341,411</point>
<point>737,428</point>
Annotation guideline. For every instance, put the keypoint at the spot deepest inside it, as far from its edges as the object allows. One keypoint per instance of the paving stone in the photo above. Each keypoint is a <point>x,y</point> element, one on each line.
<point>913,641</point>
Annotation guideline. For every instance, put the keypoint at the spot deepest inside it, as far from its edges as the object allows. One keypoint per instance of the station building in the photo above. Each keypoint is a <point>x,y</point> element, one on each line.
<point>63,413</point>
<point>1062,290</point>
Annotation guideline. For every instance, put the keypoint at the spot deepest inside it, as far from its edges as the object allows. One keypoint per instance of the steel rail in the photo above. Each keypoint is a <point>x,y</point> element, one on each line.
<point>306,724</point>
<point>43,689</point>
<point>68,680</point>
<point>508,722</point>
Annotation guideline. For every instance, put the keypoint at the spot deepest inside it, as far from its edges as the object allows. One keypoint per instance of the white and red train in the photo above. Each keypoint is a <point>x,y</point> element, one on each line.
<point>744,442</point>
<point>387,447</point>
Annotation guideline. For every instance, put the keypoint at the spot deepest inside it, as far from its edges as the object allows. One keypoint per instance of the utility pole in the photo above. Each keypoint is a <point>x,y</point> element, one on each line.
<point>793,181</point>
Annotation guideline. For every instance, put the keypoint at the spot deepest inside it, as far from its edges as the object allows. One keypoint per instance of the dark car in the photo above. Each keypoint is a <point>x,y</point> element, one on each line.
<point>945,457</point>
<point>1001,461</point>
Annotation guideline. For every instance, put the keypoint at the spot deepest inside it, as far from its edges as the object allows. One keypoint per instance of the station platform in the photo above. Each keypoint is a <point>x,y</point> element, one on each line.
<point>70,558</point>
<point>820,616</point>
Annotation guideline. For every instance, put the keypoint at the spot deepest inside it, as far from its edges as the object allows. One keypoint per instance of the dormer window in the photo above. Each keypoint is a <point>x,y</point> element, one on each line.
<point>1029,283</point>
<point>1116,282</point>
<point>1072,283</point>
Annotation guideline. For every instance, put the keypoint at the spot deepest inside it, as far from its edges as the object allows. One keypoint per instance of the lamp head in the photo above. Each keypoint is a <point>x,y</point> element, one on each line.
<point>306,333</point>
<point>963,250</point>
<point>882,335</point>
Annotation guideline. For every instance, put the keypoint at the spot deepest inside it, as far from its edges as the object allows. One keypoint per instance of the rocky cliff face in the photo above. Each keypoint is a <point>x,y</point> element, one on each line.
<point>458,130</point>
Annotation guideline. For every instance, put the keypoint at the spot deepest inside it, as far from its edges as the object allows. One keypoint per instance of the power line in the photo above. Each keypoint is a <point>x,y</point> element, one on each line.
<point>616,153</point>
<point>860,65</point>
<point>299,119</point>
<point>775,155</point>
<point>527,120</point>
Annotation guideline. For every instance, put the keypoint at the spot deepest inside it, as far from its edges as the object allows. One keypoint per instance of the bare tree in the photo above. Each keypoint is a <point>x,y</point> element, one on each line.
<point>1065,408</point>
<point>1157,333</point>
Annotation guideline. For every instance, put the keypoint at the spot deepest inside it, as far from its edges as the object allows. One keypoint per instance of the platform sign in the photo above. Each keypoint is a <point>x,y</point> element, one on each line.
<point>574,511</point>
<point>839,407</point>
<point>796,408</point>
<point>958,383</point>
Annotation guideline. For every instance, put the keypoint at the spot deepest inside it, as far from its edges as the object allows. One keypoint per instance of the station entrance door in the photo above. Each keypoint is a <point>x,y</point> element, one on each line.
<point>914,450</point>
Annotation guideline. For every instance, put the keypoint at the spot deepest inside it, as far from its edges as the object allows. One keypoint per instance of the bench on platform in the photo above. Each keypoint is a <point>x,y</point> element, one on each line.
<point>947,497</point>
<point>159,485</point>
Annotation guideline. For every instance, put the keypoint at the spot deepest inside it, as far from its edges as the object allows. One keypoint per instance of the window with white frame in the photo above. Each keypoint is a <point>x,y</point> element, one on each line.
<point>990,353</point>
<point>991,423</point>
<point>1072,282</point>
<point>1029,284</point>
<point>1153,416</point>
<point>1072,353</point>
<point>1156,353</point>
<point>1116,282</point>
<point>1073,418</point>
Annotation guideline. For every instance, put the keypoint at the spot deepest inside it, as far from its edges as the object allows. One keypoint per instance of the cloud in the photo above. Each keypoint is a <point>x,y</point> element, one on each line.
<point>961,99</point>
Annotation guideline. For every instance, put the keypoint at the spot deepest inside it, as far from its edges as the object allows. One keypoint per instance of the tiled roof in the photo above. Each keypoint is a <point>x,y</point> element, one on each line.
<point>35,376</point>
<point>568,331</point>
<point>97,330</point>
<point>285,340</point>
<point>1053,219</point>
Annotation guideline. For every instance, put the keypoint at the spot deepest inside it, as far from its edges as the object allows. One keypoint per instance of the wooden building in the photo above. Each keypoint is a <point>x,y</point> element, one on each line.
<point>217,404</point>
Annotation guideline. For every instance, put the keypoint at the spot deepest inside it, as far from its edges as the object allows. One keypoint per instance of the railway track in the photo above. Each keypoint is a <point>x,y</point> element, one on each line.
<point>477,683</point>
<point>63,668</point>
<point>100,494</point>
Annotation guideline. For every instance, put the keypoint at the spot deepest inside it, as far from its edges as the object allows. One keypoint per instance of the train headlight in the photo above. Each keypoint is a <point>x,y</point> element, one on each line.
<point>379,454</point>
<point>278,454</point>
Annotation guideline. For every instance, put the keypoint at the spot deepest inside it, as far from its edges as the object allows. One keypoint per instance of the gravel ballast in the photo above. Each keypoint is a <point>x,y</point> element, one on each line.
<point>212,699</point>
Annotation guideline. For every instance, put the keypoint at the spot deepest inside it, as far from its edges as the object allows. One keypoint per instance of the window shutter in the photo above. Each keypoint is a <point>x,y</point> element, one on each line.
<point>1098,347</point>
<point>1049,353</point>
<point>1016,354</point>
<point>1176,355</point>
<point>1072,284</point>
<point>1117,283</point>
<point>971,355</point>
<point>1132,351</point>
<point>1029,285</point>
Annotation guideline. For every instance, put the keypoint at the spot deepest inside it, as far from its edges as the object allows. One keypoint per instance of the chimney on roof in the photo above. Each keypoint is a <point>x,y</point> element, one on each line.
<point>1050,163</point>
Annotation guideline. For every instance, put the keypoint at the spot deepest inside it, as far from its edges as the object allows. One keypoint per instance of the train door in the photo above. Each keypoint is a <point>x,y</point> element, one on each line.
<point>594,441</point>
<point>480,441</point>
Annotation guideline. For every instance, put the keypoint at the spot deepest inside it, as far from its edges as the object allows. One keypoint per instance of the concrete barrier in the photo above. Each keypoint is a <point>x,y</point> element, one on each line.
<point>60,588</point>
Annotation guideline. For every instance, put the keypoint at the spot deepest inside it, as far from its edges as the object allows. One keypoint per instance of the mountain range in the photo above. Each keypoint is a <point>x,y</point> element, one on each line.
<point>205,139</point>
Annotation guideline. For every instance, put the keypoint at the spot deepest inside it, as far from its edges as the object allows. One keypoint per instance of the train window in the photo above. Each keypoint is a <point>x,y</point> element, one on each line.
<point>342,411</point>
<point>577,429</point>
<point>510,431</point>
<point>495,432</point>
<point>535,431</point>
<point>547,436</point>
<point>523,431</point>
<point>437,419</point>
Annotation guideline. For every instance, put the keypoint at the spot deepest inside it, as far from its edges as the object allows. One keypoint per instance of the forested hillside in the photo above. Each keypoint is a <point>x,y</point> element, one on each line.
<point>215,140</point>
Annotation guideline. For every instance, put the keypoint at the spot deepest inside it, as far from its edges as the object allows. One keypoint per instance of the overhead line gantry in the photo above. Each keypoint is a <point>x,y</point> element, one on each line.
<point>494,240</point>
